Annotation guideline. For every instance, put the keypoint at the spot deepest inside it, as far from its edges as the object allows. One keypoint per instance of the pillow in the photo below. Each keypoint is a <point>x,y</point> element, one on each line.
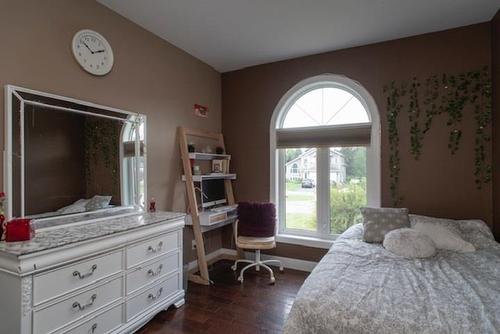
<point>450,224</point>
<point>78,206</point>
<point>444,238</point>
<point>409,243</point>
<point>378,221</point>
<point>98,202</point>
<point>474,231</point>
<point>477,233</point>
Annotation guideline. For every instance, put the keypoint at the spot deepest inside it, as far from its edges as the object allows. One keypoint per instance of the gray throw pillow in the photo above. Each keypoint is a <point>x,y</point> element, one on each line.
<point>377,222</point>
<point>409,243</point>
<point>98,202</point>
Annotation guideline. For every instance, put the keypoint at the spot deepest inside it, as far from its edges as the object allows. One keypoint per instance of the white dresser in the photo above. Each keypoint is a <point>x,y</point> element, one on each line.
<point>106,276</point>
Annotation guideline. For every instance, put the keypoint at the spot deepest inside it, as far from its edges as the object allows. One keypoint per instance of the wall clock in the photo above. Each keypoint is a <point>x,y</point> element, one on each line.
<point>93,52</point>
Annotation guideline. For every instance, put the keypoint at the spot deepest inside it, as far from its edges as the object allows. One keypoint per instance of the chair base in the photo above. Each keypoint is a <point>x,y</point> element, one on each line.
<point>257,264</point>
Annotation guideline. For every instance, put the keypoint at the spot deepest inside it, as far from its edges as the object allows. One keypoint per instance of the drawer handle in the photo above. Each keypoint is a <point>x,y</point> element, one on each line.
<point>83,307</point>
<point>93,328</point>
<point>157,249</point>
<point>157,272</point>
<point>82,276</point>
<point>158,294</point>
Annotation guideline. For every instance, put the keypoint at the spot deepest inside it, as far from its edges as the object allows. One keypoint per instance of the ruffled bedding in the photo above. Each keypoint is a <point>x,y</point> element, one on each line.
<point>362,288</point>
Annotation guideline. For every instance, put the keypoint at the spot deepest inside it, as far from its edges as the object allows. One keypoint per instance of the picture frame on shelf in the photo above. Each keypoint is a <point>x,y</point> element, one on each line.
<point>218,166</point>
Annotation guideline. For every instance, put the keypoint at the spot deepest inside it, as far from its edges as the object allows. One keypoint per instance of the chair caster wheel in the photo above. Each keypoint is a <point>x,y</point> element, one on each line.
<point>272,280</point>
<point>234,267</point>
<point>240,279</point>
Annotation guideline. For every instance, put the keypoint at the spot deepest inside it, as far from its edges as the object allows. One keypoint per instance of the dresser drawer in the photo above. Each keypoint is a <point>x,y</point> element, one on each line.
<point>55,316</point>
<point>103,323</point>
<point>58,282</point>
<point>152,296</point>
<point>152,248</point>
<point>148,273</point>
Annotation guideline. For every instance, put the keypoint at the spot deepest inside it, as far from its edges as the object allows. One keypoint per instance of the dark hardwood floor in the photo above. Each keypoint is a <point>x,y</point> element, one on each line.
<point>230,307</point>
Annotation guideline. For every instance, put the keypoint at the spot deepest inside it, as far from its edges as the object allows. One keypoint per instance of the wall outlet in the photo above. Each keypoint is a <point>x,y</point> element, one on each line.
<point>193,244</point>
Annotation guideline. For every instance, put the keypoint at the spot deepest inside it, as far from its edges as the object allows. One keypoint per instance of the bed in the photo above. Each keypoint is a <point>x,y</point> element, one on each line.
<point>362,288</point>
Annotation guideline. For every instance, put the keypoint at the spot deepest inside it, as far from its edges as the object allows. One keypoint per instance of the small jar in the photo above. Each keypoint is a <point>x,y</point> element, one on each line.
<point>152,205</point>
<point>18,229</point>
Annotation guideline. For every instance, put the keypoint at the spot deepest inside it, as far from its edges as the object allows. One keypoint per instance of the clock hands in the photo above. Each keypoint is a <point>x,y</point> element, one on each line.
<point>93,52</point>
<point>88,47</point>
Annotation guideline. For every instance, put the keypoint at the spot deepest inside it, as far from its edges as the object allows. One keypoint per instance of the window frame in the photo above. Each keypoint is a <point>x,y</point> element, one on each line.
<point>321,237</point>
<point>130,168</point>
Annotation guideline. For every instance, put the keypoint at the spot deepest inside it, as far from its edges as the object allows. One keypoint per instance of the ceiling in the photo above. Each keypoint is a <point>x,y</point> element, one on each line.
<point>232,34</point>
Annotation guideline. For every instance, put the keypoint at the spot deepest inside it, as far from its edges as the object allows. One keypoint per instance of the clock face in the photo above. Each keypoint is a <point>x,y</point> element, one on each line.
<point>93,52</point>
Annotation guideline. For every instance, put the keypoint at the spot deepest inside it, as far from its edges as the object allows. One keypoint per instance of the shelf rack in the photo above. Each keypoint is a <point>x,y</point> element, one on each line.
<point>219,224</point>
<point>208,156</point>
<point>199,178</point>
<point>198,230</point>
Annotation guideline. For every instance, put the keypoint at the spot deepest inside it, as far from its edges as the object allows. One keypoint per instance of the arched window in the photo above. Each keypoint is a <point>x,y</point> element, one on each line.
<point>328,126</point>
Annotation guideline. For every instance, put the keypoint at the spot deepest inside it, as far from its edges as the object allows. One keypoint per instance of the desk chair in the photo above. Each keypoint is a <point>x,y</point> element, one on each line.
<point>255,229</point>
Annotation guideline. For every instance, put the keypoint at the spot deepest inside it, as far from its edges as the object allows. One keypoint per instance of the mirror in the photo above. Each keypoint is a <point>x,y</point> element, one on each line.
<point>65,156</point>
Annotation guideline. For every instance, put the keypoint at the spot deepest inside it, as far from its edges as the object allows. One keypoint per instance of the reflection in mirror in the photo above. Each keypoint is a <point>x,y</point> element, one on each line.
<point>72,157</point>
<point>133,164</point>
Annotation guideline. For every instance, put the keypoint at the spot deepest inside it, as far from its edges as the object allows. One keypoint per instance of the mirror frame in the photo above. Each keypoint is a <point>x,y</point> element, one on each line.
<point>14,91</point>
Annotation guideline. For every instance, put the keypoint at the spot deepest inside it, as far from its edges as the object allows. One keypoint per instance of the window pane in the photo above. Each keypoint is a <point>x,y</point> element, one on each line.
<point>300,201</point>
<point>347,186</point>
<point>325,106</point>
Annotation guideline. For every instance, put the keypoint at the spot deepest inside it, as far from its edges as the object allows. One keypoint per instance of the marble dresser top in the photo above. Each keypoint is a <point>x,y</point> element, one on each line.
<point>75,232</point>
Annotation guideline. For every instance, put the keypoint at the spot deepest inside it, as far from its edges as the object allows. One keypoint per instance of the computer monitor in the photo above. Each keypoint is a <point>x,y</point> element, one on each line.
<point>213,192</point>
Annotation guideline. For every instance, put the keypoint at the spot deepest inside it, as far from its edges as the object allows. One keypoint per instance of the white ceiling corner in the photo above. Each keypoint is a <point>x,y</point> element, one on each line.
<point>233,34</point>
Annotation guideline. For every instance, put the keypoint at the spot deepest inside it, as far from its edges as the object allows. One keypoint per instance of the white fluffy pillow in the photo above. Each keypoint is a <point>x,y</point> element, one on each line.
<point>409,243</point>
<point>444,238</point>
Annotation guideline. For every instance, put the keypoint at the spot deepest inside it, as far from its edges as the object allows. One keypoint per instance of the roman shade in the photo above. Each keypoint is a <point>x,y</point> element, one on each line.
<point>344,135</point>
<point>129,149</point>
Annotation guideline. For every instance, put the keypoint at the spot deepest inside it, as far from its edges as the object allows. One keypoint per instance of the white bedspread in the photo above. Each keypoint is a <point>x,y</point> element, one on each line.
<point>362,288</point>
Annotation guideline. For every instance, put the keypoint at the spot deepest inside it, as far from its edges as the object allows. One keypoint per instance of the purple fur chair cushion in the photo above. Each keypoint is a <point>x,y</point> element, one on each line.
<point>256,219</point>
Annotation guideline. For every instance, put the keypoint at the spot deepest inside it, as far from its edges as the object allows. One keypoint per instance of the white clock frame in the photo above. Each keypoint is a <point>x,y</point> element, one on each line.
<point>95,69</point>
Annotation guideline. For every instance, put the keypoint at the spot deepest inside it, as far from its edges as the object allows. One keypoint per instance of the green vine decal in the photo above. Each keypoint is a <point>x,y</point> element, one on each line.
<point>394,108</point>
<point>416,134</point>
<point>446,94</point>
<point>101,147</point>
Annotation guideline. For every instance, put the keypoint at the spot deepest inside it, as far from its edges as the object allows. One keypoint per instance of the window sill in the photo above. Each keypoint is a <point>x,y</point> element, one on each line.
<point>304,241</point>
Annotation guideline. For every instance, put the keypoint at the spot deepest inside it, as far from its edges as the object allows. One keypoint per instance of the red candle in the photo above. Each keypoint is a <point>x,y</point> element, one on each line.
<point>18,230</point>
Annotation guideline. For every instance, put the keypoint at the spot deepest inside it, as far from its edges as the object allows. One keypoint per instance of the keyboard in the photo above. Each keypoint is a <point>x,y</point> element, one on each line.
<point>224,208</point>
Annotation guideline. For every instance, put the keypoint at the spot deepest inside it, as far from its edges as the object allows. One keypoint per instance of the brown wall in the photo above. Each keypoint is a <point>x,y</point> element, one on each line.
<point>55,176</point>
<point>153,77</point>
<point>495,59</point>
<point>438,184</point>
<point>149,76</point>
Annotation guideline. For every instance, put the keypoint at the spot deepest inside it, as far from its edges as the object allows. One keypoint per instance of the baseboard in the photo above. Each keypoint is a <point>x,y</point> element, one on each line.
<point>211,257</point>
<point>287,262</point>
